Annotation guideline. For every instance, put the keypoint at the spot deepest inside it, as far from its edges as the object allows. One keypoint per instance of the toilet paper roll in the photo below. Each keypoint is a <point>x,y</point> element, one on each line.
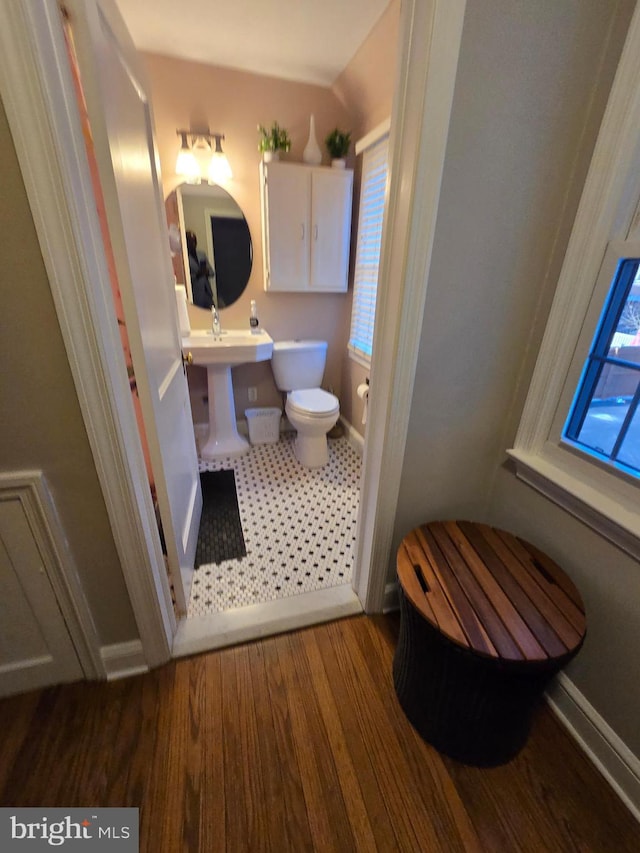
<point>363,392</point>
<point>183,313</point>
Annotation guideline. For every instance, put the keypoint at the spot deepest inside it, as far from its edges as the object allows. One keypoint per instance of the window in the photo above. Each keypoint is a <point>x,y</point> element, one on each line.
<point>579,435</point>
<point>372,199</point>
<point>604,420</point>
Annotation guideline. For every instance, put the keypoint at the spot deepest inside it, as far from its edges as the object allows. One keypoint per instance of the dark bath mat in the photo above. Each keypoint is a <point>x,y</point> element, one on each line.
<point>220,535</point>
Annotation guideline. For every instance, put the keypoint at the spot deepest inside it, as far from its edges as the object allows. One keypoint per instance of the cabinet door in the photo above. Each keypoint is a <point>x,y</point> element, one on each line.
<point>287,196</point>
<point>330,229</point>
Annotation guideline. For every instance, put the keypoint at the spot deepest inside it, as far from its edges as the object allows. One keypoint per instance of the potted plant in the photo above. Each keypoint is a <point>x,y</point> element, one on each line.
<point>338,143</point>
<point>272,141</point>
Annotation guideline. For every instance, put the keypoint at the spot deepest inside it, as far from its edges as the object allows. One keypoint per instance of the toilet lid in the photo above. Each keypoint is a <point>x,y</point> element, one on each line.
<point>313,401</point>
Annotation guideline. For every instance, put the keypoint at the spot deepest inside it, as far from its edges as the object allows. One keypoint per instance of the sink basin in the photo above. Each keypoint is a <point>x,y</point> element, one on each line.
<point>233,346</point>
<point>219,354</point>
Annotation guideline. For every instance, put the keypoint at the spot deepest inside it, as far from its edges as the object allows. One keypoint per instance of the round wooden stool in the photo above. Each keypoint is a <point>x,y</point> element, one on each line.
<point>487,620</point>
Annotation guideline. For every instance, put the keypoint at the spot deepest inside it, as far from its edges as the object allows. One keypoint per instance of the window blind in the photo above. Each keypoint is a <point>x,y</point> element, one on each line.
<point>365,286</point>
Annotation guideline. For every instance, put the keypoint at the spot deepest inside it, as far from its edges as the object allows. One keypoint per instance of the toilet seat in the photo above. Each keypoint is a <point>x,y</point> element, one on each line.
<point>313,402</point>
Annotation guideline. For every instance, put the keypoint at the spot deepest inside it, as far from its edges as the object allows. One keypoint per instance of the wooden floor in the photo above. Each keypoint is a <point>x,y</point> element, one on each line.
<point>295,743</point>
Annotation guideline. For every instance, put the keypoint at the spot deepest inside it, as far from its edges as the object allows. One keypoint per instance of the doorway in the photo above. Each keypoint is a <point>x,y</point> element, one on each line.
<point>37,85</point>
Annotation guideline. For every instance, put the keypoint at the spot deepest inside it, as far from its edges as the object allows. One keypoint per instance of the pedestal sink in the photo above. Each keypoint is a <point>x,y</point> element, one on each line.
<point>219,354</point>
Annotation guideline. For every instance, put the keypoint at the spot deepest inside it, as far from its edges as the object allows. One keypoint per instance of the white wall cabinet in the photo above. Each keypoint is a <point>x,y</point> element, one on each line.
<point>306,227</point>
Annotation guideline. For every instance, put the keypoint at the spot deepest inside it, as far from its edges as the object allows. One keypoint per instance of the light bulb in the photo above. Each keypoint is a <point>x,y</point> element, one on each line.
<point>219,168</point>
<point>186,165</point>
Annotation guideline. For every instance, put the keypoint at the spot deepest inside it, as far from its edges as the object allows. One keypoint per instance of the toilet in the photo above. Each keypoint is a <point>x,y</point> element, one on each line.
<point>298,367</point>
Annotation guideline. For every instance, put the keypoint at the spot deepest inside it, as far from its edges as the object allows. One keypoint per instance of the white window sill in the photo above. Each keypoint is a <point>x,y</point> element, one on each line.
<point>595,497</point>
<point>358,357</point>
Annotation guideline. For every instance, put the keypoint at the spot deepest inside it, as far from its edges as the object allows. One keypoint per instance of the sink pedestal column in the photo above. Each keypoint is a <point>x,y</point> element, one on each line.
<point>223,433</point>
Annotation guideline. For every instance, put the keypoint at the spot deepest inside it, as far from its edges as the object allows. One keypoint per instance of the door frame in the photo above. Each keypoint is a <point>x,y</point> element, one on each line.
<point>39,98</point>
<point>41,109</point>
<point>428,52</point>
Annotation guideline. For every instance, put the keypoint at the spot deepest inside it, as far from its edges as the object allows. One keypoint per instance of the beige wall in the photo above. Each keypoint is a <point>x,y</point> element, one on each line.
<point>189,94</point>
<point>41,426</point>
<point>532,85</point>
<point>367,84</point>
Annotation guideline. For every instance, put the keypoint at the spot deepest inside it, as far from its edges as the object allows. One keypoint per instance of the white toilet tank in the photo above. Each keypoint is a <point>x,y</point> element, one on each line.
<point>298,364</point>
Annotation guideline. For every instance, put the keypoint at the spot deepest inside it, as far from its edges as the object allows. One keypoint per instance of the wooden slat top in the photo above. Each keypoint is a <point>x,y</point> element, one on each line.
<point>491,592</point>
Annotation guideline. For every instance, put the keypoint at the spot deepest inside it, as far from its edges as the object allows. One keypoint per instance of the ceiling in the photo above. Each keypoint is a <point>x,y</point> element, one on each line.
<point>309,41</point>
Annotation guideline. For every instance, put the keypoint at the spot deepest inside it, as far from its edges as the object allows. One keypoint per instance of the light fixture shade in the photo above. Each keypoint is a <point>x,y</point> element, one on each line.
<point>187,166</point>
<point>219,168</point>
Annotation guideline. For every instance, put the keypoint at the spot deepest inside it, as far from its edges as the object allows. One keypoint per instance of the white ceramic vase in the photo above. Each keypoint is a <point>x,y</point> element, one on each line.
<point>270,156</point>
<point>312,153</point>
<point>338,163</point>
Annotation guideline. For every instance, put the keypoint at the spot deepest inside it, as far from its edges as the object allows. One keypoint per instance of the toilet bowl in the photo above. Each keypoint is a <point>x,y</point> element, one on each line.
<point>312,412</point>
<point>298,367</point>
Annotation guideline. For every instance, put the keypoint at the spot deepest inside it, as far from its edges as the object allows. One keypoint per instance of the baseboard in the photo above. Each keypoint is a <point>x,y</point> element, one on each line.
<point>391,600</point>
<point>202,429</point>
<point>122,660</point>
<point>609,753</point>
<point>353,436</point>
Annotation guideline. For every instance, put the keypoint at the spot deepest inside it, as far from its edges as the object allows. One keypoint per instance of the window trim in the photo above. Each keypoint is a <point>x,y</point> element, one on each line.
<point>361,147</point>
<point>608,210</point>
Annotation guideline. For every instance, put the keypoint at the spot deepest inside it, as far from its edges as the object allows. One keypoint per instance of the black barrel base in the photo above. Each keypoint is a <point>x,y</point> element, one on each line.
<point>475,709</point>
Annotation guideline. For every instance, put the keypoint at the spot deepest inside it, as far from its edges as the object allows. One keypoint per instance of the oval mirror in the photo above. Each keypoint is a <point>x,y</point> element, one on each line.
<point>222,236</point>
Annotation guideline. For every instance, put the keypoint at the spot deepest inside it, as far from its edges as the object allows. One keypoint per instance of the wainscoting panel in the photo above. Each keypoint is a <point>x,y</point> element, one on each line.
<point>48,635</point>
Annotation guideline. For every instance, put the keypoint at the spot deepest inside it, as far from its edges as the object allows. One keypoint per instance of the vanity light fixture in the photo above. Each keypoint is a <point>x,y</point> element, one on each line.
<point>206,144</point>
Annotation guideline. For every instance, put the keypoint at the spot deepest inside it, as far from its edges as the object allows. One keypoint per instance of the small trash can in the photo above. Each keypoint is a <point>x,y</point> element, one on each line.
<point>264,425</point>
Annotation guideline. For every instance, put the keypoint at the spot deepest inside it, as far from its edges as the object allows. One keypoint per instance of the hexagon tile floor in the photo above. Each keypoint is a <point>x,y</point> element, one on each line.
<point>299,527</point>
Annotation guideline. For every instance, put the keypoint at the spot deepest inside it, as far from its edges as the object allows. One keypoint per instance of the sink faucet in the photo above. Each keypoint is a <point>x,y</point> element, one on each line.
<point>215,322</point>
